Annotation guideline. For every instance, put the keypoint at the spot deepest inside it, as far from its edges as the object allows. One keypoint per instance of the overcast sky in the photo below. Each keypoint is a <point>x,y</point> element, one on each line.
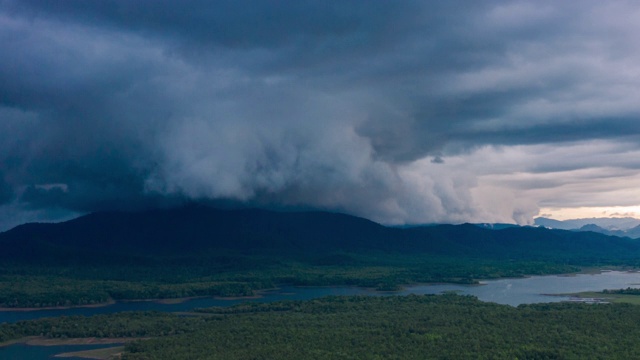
<point>398,111</point>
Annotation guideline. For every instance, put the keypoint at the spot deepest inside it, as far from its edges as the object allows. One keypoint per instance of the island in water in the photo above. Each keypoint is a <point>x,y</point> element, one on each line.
<point>196,252</point>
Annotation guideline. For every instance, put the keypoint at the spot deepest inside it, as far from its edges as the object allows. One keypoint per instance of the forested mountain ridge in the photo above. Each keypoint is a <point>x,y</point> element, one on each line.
<point>193,229</point>
<point>198,230</point>
<point>622,227</point>
<point>633,233</point>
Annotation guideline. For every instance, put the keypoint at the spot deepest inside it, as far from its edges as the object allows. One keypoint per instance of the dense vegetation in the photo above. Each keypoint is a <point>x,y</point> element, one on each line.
<point>205,252</point>
<point>198,251</point>
<point>242,276</point>
<point>356,327</point>
<point>627,291</point>
<point>412,327</point>
<point>120,325</point>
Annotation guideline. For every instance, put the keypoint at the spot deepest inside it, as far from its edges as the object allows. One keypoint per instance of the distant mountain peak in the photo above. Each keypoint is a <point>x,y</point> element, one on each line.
<point>609,226</point>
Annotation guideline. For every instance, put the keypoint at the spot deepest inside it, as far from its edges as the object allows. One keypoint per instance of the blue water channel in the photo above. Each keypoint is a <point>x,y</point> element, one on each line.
<point>512,291</point>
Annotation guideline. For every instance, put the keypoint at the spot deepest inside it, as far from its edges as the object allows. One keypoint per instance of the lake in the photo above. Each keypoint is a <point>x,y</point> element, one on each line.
<point>535,289</point>
<point>512,292</point>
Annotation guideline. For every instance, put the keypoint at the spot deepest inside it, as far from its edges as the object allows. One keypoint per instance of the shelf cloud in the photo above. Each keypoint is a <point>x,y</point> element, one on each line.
<point>402,112</point>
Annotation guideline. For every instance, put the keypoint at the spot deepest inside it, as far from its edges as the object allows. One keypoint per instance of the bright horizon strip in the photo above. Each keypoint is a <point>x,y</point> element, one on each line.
<point>590,212</point>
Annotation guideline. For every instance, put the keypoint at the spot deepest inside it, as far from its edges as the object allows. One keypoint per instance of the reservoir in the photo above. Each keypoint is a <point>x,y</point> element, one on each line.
<point>511,291</point>
<point>535,289</point>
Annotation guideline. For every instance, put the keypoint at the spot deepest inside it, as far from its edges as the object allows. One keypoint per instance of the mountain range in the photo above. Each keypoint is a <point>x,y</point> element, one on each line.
<point>629,227</point>
<point>198,231</point>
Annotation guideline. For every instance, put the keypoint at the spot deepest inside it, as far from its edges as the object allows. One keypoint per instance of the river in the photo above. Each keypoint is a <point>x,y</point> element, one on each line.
<point>512,291</point>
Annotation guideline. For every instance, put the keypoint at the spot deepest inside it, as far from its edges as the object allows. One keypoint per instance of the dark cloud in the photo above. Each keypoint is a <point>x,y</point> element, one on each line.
<point>129,104</point>
<point>6,191</point>
<point>324,26</point>
<point>437,160</point>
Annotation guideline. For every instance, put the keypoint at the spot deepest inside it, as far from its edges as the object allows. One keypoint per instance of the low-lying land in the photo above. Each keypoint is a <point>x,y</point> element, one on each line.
<point>113,352</point>
<point>37,287</point>
<point>196,251</point>
<point>362,327</point>
<point>625,296</point>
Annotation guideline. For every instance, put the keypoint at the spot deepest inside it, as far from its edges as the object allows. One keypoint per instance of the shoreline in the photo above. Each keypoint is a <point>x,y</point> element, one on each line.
<point>27,309</point>
<point>262,292</point>
<point>258,294</point>
<point>168,301</point>
<point>107,353</point>
<point>43,341</point>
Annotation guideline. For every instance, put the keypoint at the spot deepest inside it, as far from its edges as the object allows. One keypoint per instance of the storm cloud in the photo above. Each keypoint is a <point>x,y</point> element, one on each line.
<point>402,112</point>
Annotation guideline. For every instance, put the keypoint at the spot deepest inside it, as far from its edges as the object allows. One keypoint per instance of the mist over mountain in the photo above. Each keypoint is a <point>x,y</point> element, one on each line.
<point>623,224</point>
<point>629,227</point>
<point>633,233</point>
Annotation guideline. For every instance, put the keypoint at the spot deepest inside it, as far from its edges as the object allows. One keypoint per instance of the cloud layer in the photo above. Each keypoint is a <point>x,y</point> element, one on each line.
<point>397,111</point>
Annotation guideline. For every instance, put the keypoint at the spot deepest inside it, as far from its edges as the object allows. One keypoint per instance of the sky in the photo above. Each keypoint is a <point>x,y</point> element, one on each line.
<point>403,112</point>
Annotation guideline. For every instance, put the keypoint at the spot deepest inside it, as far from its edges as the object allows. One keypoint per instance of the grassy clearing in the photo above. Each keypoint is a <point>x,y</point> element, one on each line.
<point>612,298</point>
<point>100,354</point>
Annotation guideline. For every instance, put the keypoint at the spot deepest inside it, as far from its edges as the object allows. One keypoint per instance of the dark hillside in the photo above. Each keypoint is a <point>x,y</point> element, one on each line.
<point>194,230</point>
<point>201,231</point>
<point>522,243</point>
